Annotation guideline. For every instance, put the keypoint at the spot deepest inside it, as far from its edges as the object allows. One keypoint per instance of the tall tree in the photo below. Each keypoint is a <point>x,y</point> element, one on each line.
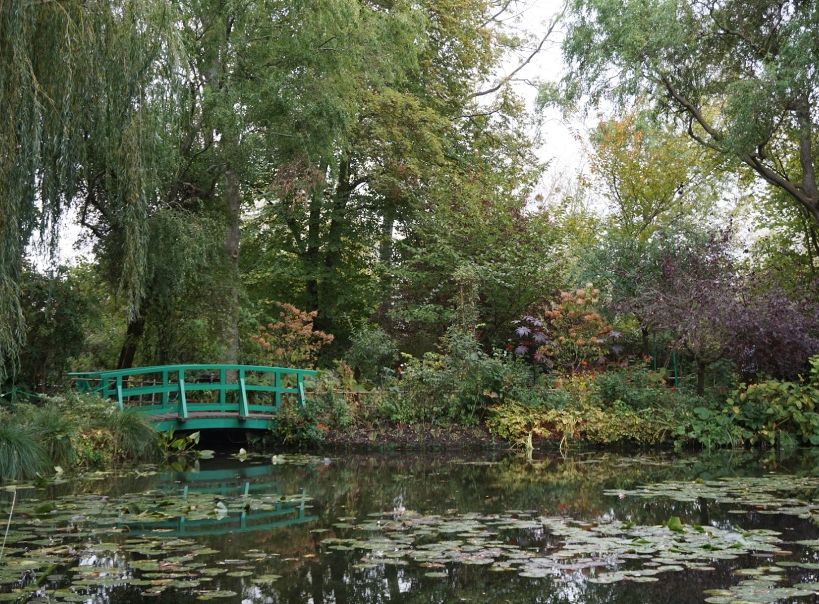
<point>738,76</point>
<point>650,176</point>
<point>77,75</point>
<point>385,112</point>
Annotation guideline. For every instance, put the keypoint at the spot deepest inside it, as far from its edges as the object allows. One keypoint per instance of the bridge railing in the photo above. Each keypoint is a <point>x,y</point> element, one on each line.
<point>177,389</point>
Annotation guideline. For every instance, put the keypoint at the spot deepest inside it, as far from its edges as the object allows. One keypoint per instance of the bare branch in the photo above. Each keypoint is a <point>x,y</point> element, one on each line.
<point>506,79</point>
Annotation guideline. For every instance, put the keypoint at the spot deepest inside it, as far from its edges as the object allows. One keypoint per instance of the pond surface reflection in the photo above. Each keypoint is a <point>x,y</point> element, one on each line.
<point>352,529</point>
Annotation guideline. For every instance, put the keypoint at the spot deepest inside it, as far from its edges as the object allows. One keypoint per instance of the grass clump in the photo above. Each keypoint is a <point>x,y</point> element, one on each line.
<point>73,430</point>
<point>22,454</point>
<point>134,437</point>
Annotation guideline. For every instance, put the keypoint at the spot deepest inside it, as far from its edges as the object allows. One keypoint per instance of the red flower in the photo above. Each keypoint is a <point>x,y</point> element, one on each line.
<point>508,348</point>
<point>585,362</point>
<point>557,385</point>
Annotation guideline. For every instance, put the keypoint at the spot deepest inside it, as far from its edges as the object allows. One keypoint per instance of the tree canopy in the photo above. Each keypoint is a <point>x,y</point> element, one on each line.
<point>88,101</point>
<point>738,77</point>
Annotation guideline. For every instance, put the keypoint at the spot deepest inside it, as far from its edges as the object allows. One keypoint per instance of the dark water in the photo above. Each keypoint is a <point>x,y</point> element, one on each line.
<point>140,537</point>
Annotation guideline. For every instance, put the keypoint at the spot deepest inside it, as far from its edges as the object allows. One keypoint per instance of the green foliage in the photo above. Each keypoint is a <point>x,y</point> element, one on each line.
<point>84,86</point>
<point>373,353</point>
<point>636,386</point>
<point>56,312</point>
<point>582,421</point>
<point>338,397</point>
<point>691,63</point>
<point>100,434</point>
<point>775,412</point>
<point>456,385</point>
<point>174,444</point>
<point>56,430</point>
<point>474,262</point>
<point>707,424</point>
<point>299,426</point>
<point>134,437</point>
<point>623,404</point>
<point>22,454</point>
<point>651,176</point>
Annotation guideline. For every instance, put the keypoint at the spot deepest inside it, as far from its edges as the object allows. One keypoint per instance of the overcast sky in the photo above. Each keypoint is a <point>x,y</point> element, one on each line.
<point>558,134</point>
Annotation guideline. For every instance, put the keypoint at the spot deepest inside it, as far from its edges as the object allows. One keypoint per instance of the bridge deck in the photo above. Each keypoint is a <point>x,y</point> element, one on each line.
<point>197,420</point>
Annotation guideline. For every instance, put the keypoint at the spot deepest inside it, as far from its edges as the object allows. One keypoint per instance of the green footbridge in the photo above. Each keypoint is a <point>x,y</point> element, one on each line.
<point>197,397</point>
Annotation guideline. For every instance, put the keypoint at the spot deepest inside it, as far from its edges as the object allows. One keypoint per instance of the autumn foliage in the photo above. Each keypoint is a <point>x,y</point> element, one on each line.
<point>569,334</point>
<point>292,342</point>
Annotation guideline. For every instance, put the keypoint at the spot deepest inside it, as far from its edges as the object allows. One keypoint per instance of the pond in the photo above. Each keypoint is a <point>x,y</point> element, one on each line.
<point>349,529</point>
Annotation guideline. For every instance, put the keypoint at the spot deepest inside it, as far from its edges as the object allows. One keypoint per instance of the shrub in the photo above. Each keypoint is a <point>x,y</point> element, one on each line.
<point>570,334</point>
<point>775,412</point>
<point>299,426</point>
<point>56,430</point>
<point>292,341</point>
<point>457,385</point>
<point>514,421</point>
<point>373,353</point>
<point>636,386</point>
<point>707,425</point>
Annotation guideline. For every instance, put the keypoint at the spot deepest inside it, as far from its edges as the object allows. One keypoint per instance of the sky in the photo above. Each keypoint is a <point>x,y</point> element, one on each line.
<point>561,136</point>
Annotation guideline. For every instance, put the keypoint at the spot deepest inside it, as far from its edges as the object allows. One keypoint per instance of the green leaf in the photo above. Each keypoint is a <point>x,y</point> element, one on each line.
<point>674,524</point>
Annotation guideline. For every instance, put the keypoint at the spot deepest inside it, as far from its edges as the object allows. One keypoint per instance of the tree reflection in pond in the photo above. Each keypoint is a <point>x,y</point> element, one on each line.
<point>424,528</point>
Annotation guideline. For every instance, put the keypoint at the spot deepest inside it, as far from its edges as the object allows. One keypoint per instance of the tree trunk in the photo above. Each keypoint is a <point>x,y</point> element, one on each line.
<point>701,365</point>
<point>233,196</point>
<point>132,334</point>
<point>311,254</point>
<point>644,338</point>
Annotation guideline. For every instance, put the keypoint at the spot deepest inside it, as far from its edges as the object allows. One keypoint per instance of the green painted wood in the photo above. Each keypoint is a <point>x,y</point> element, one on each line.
<point>183,402</point>
<point>219,423</point>
<point>119,393</point>
<point>200,388</point>
<point>222,383</point>
<point>164,388</point>
<point>277,381</point>
<point>243,410</point>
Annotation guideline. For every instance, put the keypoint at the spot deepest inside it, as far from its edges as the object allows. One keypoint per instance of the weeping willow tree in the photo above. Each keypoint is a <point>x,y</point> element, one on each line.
<point>88,100</point>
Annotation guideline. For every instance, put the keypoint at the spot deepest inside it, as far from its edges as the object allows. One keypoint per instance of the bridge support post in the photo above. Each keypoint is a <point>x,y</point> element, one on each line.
<point>222,382</point>
<point>243,408</point>
<point>164,389</point>
<point>183,402</point>
<point>119,392</point>
<point>277,384</point>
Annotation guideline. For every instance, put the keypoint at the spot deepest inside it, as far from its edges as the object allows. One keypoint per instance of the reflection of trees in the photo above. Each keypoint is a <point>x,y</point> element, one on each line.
<point>334,580</point>
<point>451,485</point>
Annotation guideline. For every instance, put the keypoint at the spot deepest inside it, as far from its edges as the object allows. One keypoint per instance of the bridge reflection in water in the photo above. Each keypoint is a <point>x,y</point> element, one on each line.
<point>227,488</point>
